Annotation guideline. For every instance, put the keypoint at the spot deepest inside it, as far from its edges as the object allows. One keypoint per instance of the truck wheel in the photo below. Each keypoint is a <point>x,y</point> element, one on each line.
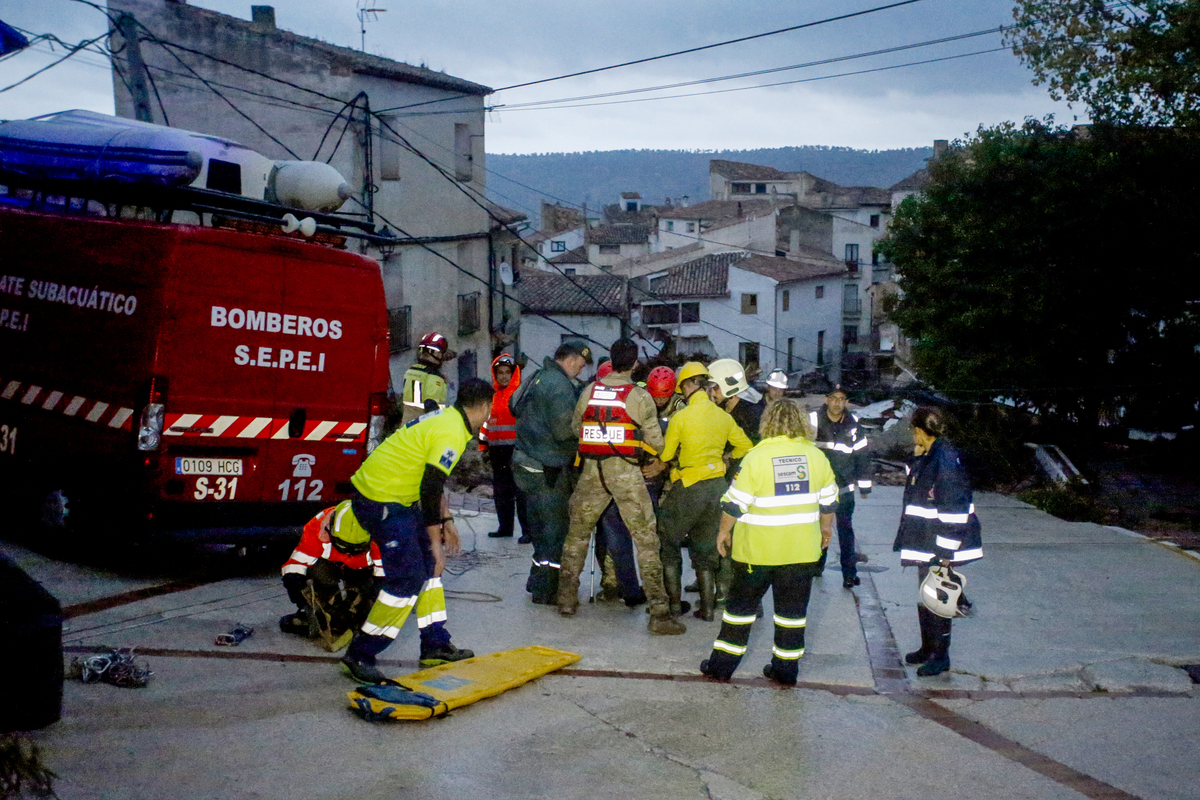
<point>68,521</point>
<point>56,510</point>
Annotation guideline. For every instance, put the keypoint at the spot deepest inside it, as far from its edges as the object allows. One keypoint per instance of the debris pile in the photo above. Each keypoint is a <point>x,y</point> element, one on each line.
<point>115,667</point>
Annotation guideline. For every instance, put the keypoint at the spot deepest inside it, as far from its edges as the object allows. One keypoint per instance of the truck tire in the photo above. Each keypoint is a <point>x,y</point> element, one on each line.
<point>69,520</point>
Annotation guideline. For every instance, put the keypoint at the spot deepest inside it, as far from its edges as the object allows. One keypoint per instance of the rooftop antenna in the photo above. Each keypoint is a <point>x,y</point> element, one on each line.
<point>365,11</point>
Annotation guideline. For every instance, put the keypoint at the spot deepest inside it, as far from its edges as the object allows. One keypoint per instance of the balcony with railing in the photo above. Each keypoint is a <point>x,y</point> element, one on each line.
<point>851,308</point>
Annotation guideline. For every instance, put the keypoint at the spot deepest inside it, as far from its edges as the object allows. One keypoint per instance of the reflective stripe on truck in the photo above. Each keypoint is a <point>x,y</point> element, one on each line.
<point>217,425</point>
<point>72,405</point>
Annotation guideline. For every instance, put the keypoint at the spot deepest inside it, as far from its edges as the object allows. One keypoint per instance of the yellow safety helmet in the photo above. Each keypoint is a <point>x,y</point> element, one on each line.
<point>691,369</point>
<point>729,376</point>
<point>348,536</point>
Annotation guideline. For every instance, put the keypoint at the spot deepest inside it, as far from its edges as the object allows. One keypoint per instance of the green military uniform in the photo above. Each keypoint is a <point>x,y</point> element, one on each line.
<point>424,390</point>
<point>616,479</point>
<point>543,469</point>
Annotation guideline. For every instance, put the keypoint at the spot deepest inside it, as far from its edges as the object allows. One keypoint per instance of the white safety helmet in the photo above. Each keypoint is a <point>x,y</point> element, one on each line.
<point>940,591</point>
<point>729,376</point>
<point>778,378</point>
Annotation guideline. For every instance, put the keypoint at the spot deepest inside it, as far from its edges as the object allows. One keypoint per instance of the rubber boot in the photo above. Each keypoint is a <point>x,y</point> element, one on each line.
<point>707,582</point>
<point>926,651</point>
<point>672,579</point>
<point>939,636</point>
<point>724,578</point>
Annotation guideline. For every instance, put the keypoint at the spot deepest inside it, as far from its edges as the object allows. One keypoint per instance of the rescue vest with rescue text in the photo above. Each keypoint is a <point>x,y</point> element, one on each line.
<point>608,430</point>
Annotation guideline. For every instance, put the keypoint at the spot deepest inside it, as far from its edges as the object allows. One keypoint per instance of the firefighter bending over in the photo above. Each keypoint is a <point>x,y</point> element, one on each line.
<point>399,500</point>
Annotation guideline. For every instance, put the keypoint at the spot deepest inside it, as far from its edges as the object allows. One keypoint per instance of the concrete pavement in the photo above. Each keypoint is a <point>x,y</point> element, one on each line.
<point>1066,683</point>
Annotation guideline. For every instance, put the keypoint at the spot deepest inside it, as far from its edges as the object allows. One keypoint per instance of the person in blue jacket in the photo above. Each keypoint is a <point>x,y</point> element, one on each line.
<point>938,525</point>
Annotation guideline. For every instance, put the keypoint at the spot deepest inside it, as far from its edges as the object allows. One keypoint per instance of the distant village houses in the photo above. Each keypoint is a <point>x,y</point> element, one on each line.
<point>778,269</point>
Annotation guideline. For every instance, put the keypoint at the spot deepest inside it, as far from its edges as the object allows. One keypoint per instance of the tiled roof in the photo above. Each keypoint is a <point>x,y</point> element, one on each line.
<point>737,171</point>
<point>548,293</point>
<point>504,216</point>
<point>704,277</point>
<point>619,234</point>
<point>912,183</point>
<point>718,210</point>
<point>812,263</point>
<point>576,256</point>
<point>865,195</point>
<point>630,196</point>
<point>614,214</point>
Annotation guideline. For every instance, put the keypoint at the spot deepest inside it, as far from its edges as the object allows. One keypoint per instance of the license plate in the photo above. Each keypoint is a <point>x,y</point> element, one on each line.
<point>593,433</point>
<point>208,466</point>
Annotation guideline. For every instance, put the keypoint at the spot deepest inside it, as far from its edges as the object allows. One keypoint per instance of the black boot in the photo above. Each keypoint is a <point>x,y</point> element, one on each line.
<point>926,651</point>
<point>724,579</point>
<point>672,581</point>
<point>939,634</point>
<point>707,582</point>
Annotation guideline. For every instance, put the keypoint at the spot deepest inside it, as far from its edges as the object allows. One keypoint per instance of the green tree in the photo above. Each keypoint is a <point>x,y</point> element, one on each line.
<point>1134,62</point>
<point>1056,269</point>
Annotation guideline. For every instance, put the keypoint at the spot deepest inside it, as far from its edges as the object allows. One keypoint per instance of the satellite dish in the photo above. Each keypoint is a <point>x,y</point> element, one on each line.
<point>506,273</point>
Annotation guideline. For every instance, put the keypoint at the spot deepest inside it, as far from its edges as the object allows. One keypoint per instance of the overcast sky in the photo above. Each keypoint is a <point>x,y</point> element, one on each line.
<point>502,44</point>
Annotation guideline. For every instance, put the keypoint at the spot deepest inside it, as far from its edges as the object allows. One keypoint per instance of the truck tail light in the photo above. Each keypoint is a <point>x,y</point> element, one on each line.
<point>378,410</point>
<point>150,426</point>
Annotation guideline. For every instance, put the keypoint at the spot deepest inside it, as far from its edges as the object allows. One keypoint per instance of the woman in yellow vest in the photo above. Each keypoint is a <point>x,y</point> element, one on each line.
<point>777,516</point>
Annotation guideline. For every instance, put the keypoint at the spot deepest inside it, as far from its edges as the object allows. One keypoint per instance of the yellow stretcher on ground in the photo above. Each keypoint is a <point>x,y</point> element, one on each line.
<point>435,691</point>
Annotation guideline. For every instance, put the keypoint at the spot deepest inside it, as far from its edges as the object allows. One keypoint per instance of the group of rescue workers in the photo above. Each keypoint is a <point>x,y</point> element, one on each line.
<point>752,485</point>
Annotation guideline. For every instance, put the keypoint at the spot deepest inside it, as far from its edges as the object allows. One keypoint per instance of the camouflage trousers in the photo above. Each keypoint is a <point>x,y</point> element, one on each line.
<point>621,483</point>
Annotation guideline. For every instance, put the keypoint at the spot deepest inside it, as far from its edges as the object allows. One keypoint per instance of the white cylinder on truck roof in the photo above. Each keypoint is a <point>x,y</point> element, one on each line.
<point>309,185</point>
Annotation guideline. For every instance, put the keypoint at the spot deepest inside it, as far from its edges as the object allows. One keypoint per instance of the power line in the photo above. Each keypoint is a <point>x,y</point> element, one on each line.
<point>680,52</point>
<point>570,278</point>
<point>72,51</point>
<point>764,85</point>
<point>482,204</point>
<point>770,71</point>
<point>465,271</point>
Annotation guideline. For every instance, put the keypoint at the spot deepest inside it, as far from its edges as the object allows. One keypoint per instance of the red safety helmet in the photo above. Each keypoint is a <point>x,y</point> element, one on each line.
<point>604,369</point>
<point>661,382</point>
<point>434,341</point>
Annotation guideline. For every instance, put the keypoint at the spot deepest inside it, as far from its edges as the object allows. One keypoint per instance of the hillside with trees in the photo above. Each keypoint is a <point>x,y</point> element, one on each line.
<point>597,178</point>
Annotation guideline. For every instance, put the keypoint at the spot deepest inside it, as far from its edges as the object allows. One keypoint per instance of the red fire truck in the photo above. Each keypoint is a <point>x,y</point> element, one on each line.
<point>182,377</point>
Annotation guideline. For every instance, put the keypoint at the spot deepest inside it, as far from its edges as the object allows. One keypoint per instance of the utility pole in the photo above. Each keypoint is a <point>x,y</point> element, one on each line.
<point>136,78</point>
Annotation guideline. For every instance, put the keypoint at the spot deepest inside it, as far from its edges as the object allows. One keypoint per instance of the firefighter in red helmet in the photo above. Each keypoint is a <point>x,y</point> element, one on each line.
<point>424,386</point>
